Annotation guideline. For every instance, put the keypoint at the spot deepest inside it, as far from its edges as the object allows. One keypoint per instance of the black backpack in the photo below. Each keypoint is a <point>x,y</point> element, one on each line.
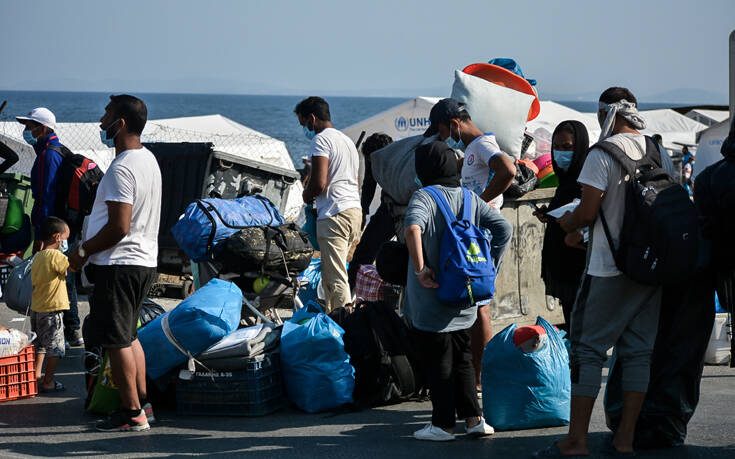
<point>281,249</point>
<point>381,350</point>
<point>659,236</point>
<point>76,188</point>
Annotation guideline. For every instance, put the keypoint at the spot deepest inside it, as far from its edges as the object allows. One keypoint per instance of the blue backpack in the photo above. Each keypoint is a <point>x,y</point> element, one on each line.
<point>467,273</point>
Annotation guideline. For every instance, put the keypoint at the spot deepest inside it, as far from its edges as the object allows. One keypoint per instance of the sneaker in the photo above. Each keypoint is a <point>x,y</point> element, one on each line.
<point>481,429</point>
<point>75,339</point>
<point>433,433</point>
<point>121,422</point>
<point>148,409</point>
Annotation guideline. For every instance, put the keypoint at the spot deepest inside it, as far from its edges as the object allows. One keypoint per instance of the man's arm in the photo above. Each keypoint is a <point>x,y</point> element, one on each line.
<point>368,189</point>
<point>586,212</point>
<point>317,180</point>
<point>505,172</point>
<point>116,228</point>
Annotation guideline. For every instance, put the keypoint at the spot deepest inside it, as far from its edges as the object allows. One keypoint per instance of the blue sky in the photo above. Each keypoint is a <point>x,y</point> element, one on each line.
<point>388,48</point>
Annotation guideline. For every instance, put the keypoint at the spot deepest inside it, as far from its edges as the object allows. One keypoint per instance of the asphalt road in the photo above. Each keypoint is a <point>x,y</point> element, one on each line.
<point>57,426</point>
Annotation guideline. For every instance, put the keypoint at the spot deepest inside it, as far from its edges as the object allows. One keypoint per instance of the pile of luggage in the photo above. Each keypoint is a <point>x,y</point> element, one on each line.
<point>247,241</point>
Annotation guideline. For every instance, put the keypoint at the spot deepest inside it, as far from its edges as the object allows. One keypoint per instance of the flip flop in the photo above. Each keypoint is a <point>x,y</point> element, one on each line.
<point>553,451</point>
<point>608,449</point>
<point>58,387</point>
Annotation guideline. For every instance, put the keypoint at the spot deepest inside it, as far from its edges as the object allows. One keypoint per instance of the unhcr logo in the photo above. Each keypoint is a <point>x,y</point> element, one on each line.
<point>474,255</point>
<point>413,124</point>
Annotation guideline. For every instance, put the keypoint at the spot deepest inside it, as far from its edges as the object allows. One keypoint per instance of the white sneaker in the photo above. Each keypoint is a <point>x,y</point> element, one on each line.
<point>433,433</point>
<point>481,429</point>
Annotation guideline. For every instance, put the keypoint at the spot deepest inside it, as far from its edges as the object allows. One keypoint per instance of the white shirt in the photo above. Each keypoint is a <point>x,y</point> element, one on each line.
<point>476,171</point>
<point>601,171</point>
<point>342,192</point>
<point>133,178</point>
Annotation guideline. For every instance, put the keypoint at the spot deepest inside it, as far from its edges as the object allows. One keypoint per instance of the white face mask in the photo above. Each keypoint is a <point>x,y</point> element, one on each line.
<point>64,245</point>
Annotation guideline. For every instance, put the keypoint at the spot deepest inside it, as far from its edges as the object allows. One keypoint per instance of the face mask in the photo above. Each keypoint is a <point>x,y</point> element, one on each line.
<point>418,182</point>
<point>108,139</point>
<point>309,133</point>
<point>563,158</point>
<point>64,245</point>
<point>454,144</point>
<point>28,137</point>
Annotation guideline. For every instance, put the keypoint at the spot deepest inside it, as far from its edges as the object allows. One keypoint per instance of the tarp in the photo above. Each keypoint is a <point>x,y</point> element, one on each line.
<point>675,129</point>
<point>709,144</point>
<point>404,120</point>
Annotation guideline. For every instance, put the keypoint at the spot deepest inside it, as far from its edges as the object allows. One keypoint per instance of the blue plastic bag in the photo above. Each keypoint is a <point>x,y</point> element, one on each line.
<point>310,225</point>
<point>526,391</point>
<point>316,369</point>
<point>201,320</point>
<point>312,275</point>
<point>207,223</point>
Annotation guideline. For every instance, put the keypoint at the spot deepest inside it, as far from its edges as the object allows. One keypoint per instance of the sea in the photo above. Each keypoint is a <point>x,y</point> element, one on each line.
<point>271,115</point>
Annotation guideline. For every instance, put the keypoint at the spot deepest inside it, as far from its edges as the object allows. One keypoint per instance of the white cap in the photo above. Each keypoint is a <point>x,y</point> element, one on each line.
<point>41,115</point>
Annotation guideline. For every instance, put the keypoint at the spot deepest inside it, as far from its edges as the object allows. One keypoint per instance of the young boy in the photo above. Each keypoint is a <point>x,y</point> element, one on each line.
<point>50,300</point>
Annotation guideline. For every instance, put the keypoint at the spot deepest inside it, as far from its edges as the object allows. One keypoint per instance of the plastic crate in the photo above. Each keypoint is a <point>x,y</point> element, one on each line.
<point>18,375</point>
<point>256,390</point>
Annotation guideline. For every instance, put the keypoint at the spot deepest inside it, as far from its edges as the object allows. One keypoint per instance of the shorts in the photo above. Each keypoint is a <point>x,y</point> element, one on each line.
<point>49,328</point>
<point>115,303</point>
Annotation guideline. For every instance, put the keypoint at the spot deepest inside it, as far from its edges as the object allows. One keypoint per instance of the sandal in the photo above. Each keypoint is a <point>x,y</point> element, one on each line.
<point>553,451</point>
<point>58,387</point>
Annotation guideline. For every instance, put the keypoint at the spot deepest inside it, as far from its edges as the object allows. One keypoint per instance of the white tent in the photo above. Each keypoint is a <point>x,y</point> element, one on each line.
<point>552,114</point>
<point>709,144</point>
<point>404,120</point>
<point>227,136</point>
<point>707,117</point>
<point>675,129</point>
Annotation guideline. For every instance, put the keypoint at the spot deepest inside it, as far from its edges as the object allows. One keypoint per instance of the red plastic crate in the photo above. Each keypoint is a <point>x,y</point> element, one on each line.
<point>18,375</point>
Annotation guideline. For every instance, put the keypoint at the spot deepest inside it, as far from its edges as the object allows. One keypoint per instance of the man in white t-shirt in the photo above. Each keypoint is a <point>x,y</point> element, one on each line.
<point>121,246</point>
<point>488,172</point>
<point>333,185</point>
<point>611,309</point>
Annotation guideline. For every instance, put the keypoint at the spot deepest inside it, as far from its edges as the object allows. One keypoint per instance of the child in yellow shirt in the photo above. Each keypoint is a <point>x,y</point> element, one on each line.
<point>49,300</point>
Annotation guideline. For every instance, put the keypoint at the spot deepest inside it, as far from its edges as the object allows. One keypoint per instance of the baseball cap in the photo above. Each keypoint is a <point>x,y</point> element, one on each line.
<point>442,111</point>
<point>41,115</point>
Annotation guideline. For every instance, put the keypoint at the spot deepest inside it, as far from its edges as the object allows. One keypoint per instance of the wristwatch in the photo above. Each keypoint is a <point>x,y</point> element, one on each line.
<point>80,250</point>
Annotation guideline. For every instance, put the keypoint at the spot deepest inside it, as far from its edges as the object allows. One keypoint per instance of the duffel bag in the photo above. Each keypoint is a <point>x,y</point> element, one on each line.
<point>19,288</point>
<point>394,170</point>
<point>268,249</point>
<point>207,223</point>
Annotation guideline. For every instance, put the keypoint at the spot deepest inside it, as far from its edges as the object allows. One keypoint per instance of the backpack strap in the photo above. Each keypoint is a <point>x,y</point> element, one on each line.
<point>442,204</point>
<point>58,149</point>
<point>466,205</point>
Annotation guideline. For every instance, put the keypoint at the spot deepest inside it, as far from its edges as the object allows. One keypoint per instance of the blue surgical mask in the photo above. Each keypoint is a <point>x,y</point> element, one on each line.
<point>28,137</point>
<point>563,158</point>
<point>456,145</point>
<point>309,133</point>
<point>64,245</point>
<point>418,182</point>
<point>108,139</point>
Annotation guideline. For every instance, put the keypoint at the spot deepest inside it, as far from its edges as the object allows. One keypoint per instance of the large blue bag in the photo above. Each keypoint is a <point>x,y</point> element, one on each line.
<point>201,320</point>
<point>526,391</point>
<point>207,223</point>
<point>316,369</point>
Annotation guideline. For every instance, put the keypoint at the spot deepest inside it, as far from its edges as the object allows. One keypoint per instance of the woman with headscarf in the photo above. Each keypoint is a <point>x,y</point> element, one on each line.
<point>562,265</point>
<point>442,331</point>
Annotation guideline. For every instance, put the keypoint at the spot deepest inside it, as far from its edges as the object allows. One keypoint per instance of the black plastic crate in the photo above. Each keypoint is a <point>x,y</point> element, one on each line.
<point>254,391</point>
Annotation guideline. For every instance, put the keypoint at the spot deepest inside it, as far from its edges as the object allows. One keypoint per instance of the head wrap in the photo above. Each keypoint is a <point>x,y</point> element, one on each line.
<point>626,109</point>
<point>568,178</point>
<point>436,164</point>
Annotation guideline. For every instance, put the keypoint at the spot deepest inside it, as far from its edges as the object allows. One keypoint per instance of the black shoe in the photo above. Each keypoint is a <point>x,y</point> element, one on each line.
<point>121,422</point>
<point>75,339</point>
